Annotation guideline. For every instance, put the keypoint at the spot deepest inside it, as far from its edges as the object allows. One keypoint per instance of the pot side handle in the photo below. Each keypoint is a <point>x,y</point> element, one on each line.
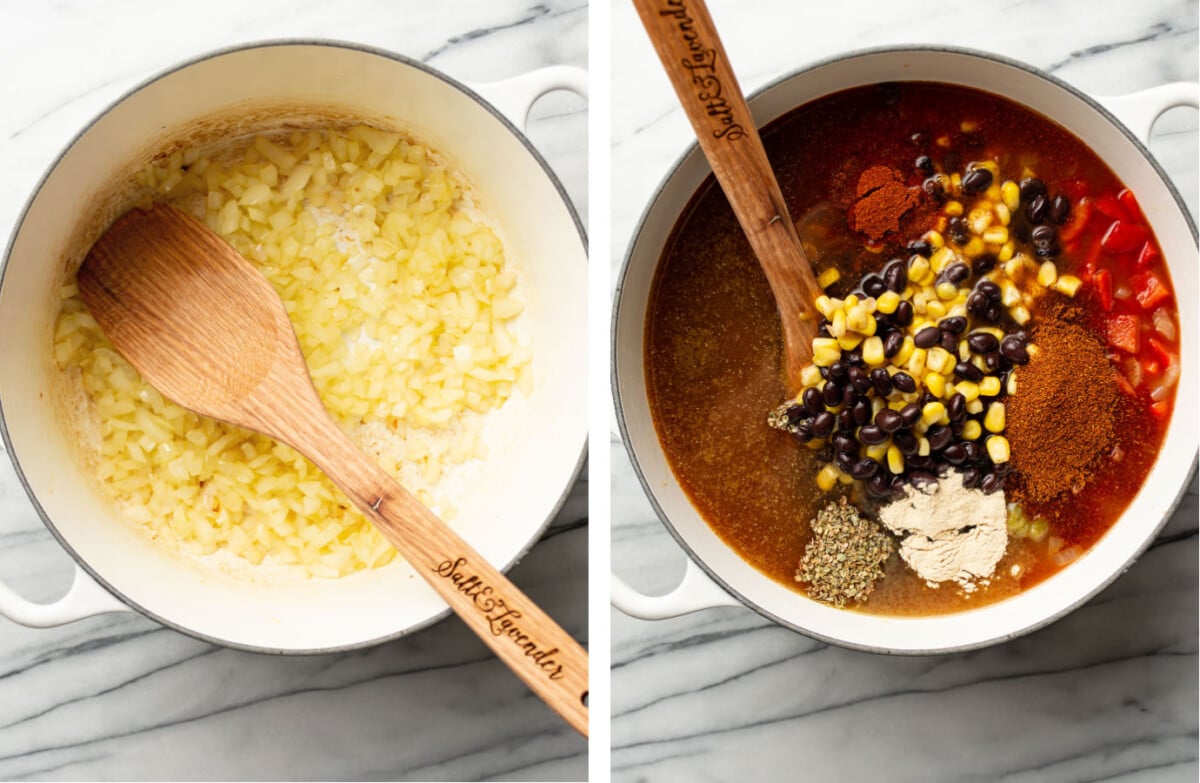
<point>85,599</point>
<point>1139,110</point>
<point>514,97</point>
<point>695,592</point>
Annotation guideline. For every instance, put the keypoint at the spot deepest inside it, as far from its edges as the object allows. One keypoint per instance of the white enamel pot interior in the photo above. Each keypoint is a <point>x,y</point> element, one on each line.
<point>1033,608</point>
<point>242,90</point>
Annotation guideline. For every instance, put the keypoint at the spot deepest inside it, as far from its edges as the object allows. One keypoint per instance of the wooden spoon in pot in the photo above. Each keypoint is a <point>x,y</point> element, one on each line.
<point>683,34</point>
<point>206,329</point>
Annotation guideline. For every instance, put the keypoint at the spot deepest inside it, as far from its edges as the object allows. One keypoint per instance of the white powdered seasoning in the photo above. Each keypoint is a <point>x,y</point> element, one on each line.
<point>949,532</point>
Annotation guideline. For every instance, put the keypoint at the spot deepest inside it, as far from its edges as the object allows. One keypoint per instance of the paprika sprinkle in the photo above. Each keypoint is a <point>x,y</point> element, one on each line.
<point>882,199</point>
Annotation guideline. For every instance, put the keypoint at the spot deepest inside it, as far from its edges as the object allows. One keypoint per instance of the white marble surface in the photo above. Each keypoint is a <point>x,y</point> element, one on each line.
<point>1109,693</point>
<point>120,697</point>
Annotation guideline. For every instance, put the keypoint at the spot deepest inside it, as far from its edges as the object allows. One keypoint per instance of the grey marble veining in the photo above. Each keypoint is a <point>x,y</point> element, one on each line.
<point>1107,693</point>
<point>120,697</point>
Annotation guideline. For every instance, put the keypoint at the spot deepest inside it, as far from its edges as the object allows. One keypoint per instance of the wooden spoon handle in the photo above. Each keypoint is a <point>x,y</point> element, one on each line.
<point>537,649</point>
<point>683,34</point>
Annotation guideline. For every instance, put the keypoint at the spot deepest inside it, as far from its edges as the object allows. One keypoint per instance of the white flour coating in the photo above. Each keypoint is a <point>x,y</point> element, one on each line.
<point>950,532</point>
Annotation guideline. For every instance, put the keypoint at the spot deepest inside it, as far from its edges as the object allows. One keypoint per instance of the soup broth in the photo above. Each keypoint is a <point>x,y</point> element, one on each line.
<point>713,347</point>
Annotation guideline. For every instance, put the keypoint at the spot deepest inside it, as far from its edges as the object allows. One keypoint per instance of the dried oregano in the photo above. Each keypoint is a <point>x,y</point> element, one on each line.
<point>844,558</point>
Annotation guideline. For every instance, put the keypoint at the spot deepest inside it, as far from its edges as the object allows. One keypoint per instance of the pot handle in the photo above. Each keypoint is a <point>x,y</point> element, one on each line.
<point>84,599</point>
<point>1139,110</point>
<point>695,592</point>
<point>514,97</point>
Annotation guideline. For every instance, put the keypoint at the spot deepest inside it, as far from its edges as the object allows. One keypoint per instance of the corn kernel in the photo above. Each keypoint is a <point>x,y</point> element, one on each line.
<point>956,183</point>
<point>1009,294</point>
<point>872,351</point>
<point>994,420</point>
<point>905,353</point>
<point>826,305</point>
<point>918,268</point>
<point>1047,274</point>
<point>998,449</point>
<point>850,302</point>
<point>877,452</point>
<point>935,383</point>
<point>916,363</point>
<point>935,310</point>
<point>810,375</point>
<point>964,351</point>
<point>923,446</point>
<point>1010,192</point>
<point>967,389</point>
<point>993,191</point>
<point>935,239</point>
<point>938,359</point>
<point>895,460</point>
<point>933,413</point>
<point>968,126</point>
<point>1006,251</point>
<point>996,235</point>
<point>888,302</point>
<point>953,208</point>
<point>989,386</point>
<point>829,277</point>
<point>826,351</point>
<point>1020,314</point>
<point>941,259</point>
<point>980,218</point>
<point>837,324</point>
<point>974,407</point>
<point>1068,284</point>
<point>1012,382</point>
<point>849,342</point>
<point>827,477</point>
<point>974,247</point>
<point>856,319</point>
<point>946,290</point>
<point>971,429</point>
<point>1003,214</point>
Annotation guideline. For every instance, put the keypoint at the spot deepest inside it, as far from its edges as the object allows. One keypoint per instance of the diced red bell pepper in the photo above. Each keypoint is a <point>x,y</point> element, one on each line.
<point>1077,222</point>
<point>1129,201</point>
<point>1123,236</point>
<point>1110,206</point>
<point>1123,333</point>
<point>1124,383</point>
<point>1103,280</point>
<point>1075,188</point>
<point>1148,289</point>
<point>1161,351</point>
<point>1160,409</point>
<point>1147,256</point>
<point>1150,366</point>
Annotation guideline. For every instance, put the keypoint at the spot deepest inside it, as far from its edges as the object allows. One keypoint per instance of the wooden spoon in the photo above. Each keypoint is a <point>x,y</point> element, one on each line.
<point>206,329</point>
<point>683,34</point>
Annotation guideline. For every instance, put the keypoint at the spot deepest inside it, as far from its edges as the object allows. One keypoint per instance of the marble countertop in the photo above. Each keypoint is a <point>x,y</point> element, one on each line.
<point>120,697</point>
<point>1108,693</point>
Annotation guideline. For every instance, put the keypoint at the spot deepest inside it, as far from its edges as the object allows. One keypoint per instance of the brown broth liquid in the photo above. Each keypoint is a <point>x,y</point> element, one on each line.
<point>713,344</point>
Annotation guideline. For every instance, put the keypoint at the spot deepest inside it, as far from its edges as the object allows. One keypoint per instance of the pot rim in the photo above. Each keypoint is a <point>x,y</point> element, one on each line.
<point>111,106</point>
<point>691,149</point>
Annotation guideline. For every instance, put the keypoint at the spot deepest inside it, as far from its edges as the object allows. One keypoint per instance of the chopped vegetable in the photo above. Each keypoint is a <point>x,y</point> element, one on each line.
<point>1123,333</point>
<point>1149,290</point>
<point>1103,280</point>
<point>1123,236</point>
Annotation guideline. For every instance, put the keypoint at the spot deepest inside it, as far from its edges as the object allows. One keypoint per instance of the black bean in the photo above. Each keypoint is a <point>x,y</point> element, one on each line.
<point>917,462</point>
<point>873,285</point>
<point>879,485</point>
<point>1013,349</point>
<point>993,312</point>
<point>814,401</point>
<point>888,420</point>
<point>881,381</point>
<point>895,275</point>
<point>860,380</point>
<point>955,273</point>
<point>968,372</point>
<point>862,411</point>
<point>939,436</point>
<point>846,421</point>
<point>903,315</point>
<point>956,408</point>
<point>848,394</point>
<point>1003,469</point>
<point>910,414</point>
<point>982,342</point>
<point>893,341</point>
<point>983,263</point>
<point>989,289</point>
<point>864,468</point>
<point>823,328</point>
<point>906,442</point>
<point>922,480</point>
<point>970,477</point>
<point>948,342</point>
<point>977,304</point>
<point>957,230</point>
<point>822,424</point>
<point>872,435</point>
<point>1032,187</point>
<point>795,413</point>
<point>1043,235</point>
<point>991,483</point>
<point>1038,209</point>
<point>803,430</point>
<point>844,460</point>
<point>955,454</point>
<point>976,181</point>
<point>920,247</point>
<point>924,164</point>
<point>904,382</point>
<point>844,441</point>
<point>933,188</point>
<point>831,393</point>
<point>993,360</point>
<point>853,359</point>
<point>927,337</point>
<point>824,372</point>
<point>955,324</point>
<point>837,371</point>
<point>1060,209</point>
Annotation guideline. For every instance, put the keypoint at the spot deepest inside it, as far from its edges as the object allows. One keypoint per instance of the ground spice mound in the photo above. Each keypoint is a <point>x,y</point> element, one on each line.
<point>1061,420</point>
<point>844,558</point>
<point>882,200</point>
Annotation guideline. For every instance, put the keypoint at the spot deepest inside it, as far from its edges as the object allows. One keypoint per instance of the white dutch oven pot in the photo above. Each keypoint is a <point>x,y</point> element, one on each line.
<point>715,575</point>
<point>521,488</point>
